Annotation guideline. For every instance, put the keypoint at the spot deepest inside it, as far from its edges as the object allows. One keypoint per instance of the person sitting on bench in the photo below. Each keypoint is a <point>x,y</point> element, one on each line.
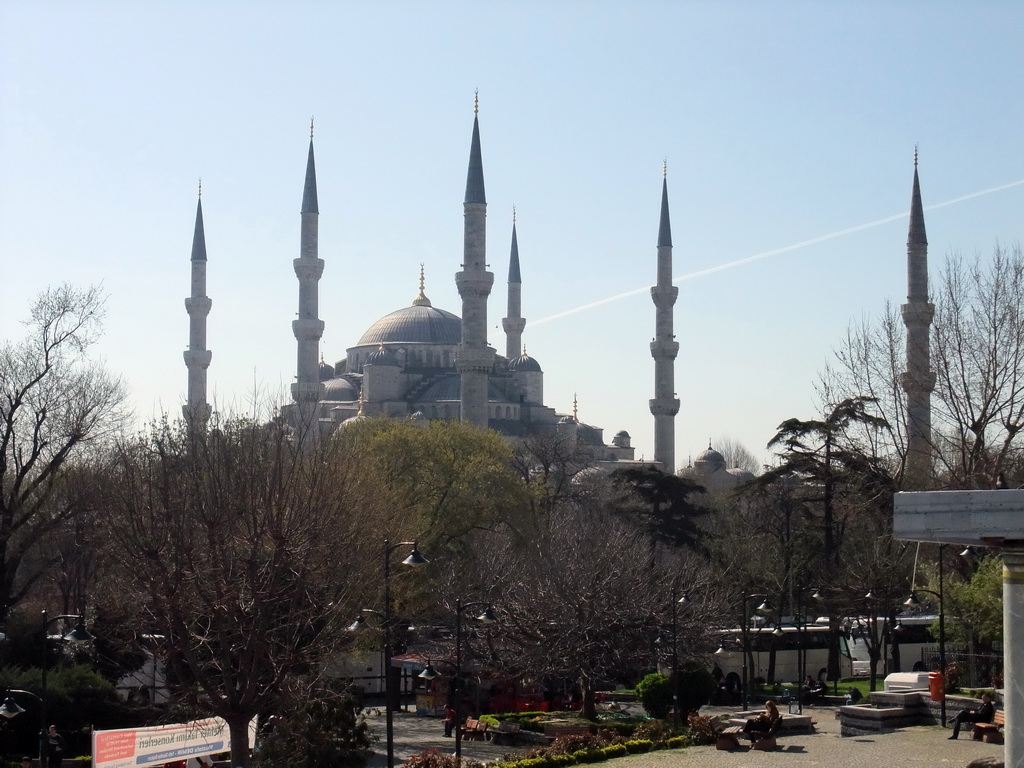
<point>763,724</point>
<point>982,714</point>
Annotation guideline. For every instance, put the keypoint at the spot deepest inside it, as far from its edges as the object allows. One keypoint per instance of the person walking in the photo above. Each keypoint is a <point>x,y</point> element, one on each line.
<point>54,748</point>
<point>449,719</point>
<point>982,714</point>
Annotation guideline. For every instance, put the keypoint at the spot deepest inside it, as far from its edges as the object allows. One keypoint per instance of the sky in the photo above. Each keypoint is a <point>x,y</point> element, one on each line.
<point>788,129</point>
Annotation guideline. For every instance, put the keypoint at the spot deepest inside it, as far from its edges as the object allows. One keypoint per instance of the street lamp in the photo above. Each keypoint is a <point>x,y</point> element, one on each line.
<point>676,602</point>
<point>764,607</point>
<point>801,654</point>
<point>414,559</point>
<point>80,636</point>
<point>11,709</point>
<point>914,600</point>
<point>429,673</point>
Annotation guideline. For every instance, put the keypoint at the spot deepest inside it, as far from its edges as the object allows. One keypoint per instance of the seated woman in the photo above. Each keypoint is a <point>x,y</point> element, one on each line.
<point>764,723</point>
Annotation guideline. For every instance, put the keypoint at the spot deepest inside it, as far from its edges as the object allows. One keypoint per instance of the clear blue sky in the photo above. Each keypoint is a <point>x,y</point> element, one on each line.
<point>781,123</point>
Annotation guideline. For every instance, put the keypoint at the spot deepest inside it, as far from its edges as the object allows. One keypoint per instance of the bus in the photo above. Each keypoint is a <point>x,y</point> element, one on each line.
<point>787,642</point>
<point>917,649</point>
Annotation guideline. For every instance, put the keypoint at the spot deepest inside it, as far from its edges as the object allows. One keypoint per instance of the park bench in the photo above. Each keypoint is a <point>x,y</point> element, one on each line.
<point>506,733</point>
<point>989,732</point>
<point>474,730</point>
<point>729,738</point>
<point>555,731</point>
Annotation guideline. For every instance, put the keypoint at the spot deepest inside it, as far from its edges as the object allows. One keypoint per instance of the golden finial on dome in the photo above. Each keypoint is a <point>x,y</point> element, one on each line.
<point>524,350</point>
<point>361,401</point>
<point>421,299</point>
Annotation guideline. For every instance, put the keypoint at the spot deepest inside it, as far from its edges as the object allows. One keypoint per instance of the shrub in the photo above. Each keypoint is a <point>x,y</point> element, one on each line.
<point>655,693</point>
<point>557,761</point>
<point>655,730</point>
<point>700,730</point>
<point>636,746</point>
<point>615,750</point>
<point>676,742</point>
<point>695,686</point>
<point>434,758</point>
<point>593,755</point>
<point>568,745</point>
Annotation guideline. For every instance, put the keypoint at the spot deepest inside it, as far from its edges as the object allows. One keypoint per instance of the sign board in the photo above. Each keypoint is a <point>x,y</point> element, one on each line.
<point>141,747</point>
<point>966,518</point>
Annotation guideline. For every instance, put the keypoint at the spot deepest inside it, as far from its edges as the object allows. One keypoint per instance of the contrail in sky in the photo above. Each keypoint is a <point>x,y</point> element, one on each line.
<point>777,251</point>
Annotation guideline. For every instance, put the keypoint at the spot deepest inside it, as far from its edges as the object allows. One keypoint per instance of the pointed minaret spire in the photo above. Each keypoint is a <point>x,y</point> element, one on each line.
<point>515,322</point>
<point>474,359</point>
<point>308,327</point>
<point>664,348</point>
<point>919,379</point>
<point>197,357</point>
<point>421,300</point>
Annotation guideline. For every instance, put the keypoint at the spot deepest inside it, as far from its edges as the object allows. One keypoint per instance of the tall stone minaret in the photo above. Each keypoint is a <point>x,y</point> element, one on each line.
<point>474,358</point>
<point>515,322</point>
<point>197,357</point>
<point>664,348</point>
<point>919,379</point>
<point>308,328</point>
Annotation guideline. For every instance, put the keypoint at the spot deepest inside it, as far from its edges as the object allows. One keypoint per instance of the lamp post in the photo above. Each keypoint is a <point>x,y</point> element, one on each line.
<point>914,600</point>
<point>414,559</point>
<point>677,600</point>
<point>79,635</point>
<point>764,607</point>
<point>487,617</point>
<point>10,709</point>
<point>801,653</point>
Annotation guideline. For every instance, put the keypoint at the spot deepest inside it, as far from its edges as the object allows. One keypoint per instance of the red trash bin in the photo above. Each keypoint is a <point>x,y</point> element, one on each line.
<point>937,686</point>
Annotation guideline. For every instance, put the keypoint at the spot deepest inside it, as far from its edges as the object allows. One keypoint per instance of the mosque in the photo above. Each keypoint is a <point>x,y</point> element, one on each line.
<point>423,362</point>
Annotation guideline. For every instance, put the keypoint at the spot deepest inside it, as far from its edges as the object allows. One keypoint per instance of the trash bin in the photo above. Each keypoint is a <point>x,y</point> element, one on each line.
<point>937,686</point>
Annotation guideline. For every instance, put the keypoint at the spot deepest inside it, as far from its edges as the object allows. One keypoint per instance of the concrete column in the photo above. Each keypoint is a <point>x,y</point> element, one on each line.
<point>1013,655</point>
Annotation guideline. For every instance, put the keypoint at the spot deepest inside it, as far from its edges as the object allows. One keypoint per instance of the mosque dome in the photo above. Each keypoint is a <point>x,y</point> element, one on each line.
<point>421,324</point>
<point>340,389</point>
<point>710,457</point>
<point>523,363</point>
<point>381,356</point>
<point>326,371</point>
<point>742,476</point>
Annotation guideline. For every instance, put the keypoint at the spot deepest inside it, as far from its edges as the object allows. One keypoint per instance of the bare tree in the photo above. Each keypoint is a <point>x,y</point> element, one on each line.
<point>56,404</point>
<point>737,455</point>
<point>239,548</point>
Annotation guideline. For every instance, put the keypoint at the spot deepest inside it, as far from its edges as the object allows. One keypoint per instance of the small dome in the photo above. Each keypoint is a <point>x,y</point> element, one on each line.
<point>524,363</point>
<point>326,371</point>
<point>417,416</point>
<point>741,475</point>
<point>622,433</point>
<point>340,389</point>
<point>381,356</point>
<point>567,420</point>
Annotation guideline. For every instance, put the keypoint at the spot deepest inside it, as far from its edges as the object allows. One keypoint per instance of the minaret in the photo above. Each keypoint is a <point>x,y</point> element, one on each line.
<point>919,379</point>
<point>664,348</point>
<point>474,358</point>
<point>308,328</point>
<point>515,322</point>
<point>197,357</point>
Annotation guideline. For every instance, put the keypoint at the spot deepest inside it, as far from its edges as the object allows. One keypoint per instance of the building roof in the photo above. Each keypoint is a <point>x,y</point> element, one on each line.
<point>417,324</point>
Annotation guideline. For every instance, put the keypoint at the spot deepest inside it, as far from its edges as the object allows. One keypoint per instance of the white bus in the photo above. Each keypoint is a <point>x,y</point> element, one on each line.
<point>917,649</point>
<point>787,642</point>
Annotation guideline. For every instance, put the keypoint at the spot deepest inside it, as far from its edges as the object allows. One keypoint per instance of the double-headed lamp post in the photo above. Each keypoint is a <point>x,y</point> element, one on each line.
<point>677,600</point>
<point>914,600</point>
<point>764,607</point>
<point>11,709</point>
<point>487,617</point>
<point>414,558</point>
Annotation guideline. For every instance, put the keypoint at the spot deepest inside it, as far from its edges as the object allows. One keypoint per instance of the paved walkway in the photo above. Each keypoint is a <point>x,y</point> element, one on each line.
<point>918,747</point>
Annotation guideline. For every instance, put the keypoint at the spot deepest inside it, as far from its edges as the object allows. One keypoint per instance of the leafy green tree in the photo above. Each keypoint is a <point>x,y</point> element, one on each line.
<point>655,693</point>
<point>695,685</point>
<point>974,608</point>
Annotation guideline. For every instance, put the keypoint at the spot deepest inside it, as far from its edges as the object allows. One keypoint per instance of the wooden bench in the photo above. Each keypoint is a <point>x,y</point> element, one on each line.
<point>989,732</point>
<point>729,738</point>
<point>474,730</point>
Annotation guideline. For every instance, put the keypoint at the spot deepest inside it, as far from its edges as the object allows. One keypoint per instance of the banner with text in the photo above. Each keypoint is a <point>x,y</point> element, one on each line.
<point>141,747</point>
